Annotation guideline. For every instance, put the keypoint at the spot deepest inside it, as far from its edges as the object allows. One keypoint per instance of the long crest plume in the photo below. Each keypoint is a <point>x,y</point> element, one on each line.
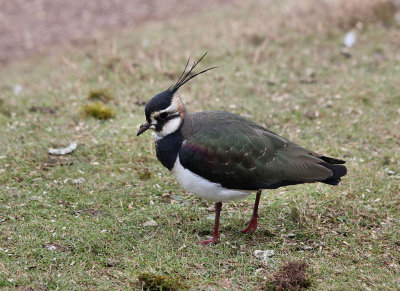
<point>186,77</point>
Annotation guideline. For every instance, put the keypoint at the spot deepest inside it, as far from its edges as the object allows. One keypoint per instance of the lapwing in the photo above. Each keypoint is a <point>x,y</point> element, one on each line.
<point>221,157</point>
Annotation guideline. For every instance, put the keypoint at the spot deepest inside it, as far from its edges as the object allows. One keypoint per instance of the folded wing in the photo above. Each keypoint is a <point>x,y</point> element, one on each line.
<point>251,158</point>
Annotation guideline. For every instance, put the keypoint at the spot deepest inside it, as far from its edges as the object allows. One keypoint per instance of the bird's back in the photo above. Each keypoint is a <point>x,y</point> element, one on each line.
<point>239,154</point>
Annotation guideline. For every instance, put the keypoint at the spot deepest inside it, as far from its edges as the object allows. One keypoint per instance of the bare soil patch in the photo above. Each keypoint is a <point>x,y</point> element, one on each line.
<point>31,27</point>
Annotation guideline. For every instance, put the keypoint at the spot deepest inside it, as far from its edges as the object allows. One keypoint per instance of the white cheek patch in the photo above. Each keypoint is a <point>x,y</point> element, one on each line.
<point>168,128</point>
<point>171,126</point>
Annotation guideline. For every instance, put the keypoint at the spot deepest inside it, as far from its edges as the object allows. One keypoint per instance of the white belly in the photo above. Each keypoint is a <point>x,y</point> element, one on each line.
<point>203,188</point>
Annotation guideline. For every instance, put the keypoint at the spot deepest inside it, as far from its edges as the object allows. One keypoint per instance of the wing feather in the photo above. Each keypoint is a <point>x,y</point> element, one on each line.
<point>247,157</point>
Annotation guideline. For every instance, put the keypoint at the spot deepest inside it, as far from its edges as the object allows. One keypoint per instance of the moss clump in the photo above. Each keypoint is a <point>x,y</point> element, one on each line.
<point>153,282</point>
<point>102,95</point>
<point>144,174</point>
<point>98,110</point>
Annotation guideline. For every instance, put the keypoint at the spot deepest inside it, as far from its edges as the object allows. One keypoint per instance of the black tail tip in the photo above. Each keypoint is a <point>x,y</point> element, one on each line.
<point>332,182</point>
<point>338,171</point>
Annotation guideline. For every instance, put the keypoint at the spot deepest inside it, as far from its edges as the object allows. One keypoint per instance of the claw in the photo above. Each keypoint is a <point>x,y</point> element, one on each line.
<point>252,226</point>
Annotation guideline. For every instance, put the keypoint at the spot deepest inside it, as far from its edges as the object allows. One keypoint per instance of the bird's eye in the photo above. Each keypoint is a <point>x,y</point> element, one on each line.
<point>163,115</point>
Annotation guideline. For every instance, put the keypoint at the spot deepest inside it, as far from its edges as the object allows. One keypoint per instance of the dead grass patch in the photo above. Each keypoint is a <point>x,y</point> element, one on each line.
<point>343,14</point>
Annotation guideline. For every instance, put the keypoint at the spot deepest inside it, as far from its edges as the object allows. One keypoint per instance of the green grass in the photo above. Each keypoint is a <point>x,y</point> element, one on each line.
<point>57,233</point>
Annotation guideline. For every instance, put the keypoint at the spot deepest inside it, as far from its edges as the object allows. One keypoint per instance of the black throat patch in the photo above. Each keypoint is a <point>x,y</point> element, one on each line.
<point>168,147</point>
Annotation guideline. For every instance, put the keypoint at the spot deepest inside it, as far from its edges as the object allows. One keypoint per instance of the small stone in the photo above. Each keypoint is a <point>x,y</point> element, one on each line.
<point>51,246</point>
<point>17,89</point>
<point>63,151</point>
<point>390,172</point>
<point>266,253</point>
<point>150,223</point>
<point>264,256</point>
<point>78,181</point>
<point>350,39</point>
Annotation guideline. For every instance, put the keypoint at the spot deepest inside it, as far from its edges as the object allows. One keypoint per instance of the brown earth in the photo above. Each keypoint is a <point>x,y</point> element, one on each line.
<point>36,26</point>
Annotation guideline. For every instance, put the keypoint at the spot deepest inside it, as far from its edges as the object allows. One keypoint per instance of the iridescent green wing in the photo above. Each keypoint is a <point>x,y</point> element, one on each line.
<point>241,156</point>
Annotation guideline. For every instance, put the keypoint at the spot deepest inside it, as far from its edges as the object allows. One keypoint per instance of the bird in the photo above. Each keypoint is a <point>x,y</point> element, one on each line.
<point>221,157</point>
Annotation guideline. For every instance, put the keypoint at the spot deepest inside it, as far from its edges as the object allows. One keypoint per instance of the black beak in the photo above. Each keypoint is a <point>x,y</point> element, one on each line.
<point>143,128</point>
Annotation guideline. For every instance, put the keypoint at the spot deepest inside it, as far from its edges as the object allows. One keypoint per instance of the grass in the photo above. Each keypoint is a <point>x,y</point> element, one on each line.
<point>279,66</point>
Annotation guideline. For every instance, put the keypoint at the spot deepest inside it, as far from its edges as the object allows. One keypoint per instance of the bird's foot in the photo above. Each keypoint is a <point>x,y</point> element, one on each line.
<point>213,240</point>
<point>252,226</point>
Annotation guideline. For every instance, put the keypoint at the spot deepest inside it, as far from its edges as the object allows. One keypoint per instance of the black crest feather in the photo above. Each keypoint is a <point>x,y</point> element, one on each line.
<point>186,77</point>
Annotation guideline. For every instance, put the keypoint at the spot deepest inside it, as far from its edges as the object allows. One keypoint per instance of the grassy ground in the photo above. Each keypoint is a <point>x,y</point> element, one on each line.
<point>79,222</point>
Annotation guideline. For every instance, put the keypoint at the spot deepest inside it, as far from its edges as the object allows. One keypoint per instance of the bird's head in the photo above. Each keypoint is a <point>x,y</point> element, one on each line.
<point>165,111</point>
